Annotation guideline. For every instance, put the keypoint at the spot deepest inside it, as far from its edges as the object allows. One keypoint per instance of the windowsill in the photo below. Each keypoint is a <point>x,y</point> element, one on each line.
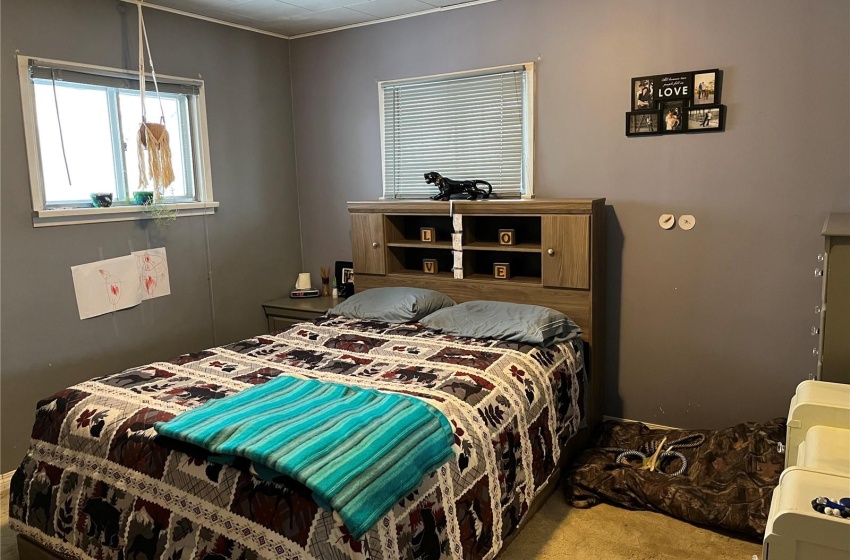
<point>69,216</point>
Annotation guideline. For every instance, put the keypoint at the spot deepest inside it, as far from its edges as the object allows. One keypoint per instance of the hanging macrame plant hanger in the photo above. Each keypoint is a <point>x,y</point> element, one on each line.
<point>155,169</point>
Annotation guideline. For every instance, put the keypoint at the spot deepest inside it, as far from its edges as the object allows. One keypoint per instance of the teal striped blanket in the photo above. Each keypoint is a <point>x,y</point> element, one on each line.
<point>358,450</point>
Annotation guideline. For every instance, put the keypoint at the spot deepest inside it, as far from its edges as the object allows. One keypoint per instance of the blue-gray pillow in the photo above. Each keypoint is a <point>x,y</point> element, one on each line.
<point>393,305</point>
<point>531,324</point>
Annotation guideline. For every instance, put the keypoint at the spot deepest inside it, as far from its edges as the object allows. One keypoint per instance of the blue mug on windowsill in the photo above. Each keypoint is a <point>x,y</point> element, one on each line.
<point>101,200</point>
<point>142,197</point>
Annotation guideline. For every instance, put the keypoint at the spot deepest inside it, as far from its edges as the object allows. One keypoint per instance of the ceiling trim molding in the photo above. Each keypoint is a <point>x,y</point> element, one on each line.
<point>302,35</point>
<point>206,18</point>
<point>394,18</point>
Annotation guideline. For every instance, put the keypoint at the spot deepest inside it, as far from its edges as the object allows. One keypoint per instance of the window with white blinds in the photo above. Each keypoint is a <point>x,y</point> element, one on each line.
<point>468,126</point>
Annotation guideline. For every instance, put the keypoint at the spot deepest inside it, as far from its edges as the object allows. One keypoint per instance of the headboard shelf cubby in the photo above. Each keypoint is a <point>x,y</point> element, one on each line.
<point>557,258</point>
<point>484,231</point>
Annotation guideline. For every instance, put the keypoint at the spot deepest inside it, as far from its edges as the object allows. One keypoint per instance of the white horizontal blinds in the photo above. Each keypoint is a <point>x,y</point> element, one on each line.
<point>463,128</point>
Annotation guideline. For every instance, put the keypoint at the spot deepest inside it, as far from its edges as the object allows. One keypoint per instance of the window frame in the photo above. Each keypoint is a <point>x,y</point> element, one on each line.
<point>528,116</point>
<point>61,213</point>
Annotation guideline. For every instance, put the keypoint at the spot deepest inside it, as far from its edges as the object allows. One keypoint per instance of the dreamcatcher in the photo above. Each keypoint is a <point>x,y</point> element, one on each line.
<point>156,168</point>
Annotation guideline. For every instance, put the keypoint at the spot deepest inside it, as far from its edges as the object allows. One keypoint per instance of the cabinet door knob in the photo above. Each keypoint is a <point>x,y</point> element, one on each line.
<point>375,244</point>
<point>551,252</point>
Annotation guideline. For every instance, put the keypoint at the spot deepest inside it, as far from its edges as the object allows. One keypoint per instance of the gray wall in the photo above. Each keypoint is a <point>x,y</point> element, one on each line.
<point>253,238</point>
<point>707,327</point>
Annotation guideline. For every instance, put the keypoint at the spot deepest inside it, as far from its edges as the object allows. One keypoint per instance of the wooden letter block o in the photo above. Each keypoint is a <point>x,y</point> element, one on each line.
<point>429,266</point>
<point>501,271</point>
<point>427,234</point>
<point>507,237</point>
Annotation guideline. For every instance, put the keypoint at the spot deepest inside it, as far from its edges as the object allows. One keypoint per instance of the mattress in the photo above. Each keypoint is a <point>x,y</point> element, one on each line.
<point>98,483</point>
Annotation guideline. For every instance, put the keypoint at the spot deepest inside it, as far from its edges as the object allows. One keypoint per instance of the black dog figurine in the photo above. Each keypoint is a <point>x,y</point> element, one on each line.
<point>448,187</point>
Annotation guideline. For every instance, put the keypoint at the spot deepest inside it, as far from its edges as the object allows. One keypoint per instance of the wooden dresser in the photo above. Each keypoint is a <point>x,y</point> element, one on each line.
<point>557,258</point>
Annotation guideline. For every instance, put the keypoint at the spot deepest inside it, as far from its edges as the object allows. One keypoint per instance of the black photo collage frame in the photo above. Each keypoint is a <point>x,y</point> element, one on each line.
<point>676,103</point>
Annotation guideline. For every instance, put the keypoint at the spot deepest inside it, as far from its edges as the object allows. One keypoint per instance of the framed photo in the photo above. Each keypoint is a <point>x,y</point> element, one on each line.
<point>674,86</point>
<point>707,87</point>
<point>705,118</point>
<point>643,94</point>
<point>643,123</point>
<point>673,115</point>
<point>347,275</point>
<point>339,266</point>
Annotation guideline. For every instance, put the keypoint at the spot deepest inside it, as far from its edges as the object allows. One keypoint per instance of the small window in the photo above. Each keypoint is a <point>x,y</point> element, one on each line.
<point>473,125</point>
<point>81,128</point>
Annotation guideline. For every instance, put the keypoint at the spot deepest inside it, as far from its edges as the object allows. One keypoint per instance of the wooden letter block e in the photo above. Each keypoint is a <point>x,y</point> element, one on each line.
<point>501,271</point>
<point>427,234</point>
<point>429,266</point>
<point>507,237</point>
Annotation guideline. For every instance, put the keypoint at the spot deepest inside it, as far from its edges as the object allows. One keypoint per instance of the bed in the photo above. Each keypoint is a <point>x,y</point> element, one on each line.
<point>97,482</point>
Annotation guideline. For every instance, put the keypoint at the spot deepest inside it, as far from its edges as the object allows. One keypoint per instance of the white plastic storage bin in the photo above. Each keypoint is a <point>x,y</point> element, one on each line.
<point>816,403</point>
<point>795,531</point>
<point>826,449</point>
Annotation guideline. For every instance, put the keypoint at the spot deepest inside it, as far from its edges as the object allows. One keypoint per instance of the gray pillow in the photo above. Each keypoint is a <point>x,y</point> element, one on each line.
<point>515,322</point>
<point>393,305</point>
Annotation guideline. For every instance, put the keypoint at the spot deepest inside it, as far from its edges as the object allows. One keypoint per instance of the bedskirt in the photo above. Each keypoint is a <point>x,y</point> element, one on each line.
<point>98,483</point>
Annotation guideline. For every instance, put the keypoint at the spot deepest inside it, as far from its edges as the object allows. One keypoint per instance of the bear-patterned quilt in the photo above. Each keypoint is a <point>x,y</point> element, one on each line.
<point>98,483</point>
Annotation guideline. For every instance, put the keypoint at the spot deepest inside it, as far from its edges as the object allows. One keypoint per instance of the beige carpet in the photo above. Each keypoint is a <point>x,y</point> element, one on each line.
<point>559,532</point>
<point>604,532</point>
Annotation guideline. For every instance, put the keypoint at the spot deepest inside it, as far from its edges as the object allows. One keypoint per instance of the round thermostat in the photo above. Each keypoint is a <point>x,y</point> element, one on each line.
<point>667,221</point>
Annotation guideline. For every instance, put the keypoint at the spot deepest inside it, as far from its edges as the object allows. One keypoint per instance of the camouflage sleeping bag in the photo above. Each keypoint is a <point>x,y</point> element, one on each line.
<point>728,483</point>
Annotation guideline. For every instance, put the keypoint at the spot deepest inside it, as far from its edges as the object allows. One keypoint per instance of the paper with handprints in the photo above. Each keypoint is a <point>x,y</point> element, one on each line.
<point>106,286</point>
<point>153,272</point>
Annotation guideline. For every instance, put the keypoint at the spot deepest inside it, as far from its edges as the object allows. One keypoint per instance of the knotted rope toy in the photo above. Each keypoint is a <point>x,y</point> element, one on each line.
<point>841,508</point>
<point>654,455</point>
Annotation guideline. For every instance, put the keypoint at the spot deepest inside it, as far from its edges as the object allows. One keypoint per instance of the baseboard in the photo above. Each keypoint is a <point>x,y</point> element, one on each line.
<point>653,426</point>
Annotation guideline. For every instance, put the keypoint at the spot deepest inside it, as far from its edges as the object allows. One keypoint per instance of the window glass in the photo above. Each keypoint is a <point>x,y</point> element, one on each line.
<point>84,116</point>
<point>131,118</point>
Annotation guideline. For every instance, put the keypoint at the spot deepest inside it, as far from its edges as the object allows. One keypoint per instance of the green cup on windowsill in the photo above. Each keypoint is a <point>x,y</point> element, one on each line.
<point>101,200</point>
<point>142,197</point>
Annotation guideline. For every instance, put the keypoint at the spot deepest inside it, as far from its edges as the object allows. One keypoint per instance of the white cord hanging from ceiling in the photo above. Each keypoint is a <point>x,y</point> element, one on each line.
<point>156,167</point>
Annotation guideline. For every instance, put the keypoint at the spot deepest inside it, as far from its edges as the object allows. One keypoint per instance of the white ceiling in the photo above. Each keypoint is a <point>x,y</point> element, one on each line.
<point>297,17</point>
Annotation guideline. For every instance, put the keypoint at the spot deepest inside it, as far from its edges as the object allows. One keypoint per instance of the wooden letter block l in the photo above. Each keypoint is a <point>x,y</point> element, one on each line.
<point>427,234</point>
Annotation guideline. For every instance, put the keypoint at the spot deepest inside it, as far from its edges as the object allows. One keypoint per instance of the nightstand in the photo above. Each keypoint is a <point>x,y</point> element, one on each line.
<point>284,312</point>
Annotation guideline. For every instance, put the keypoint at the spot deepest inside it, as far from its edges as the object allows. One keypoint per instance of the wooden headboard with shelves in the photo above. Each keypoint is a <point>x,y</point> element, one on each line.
<point>557,258</point>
